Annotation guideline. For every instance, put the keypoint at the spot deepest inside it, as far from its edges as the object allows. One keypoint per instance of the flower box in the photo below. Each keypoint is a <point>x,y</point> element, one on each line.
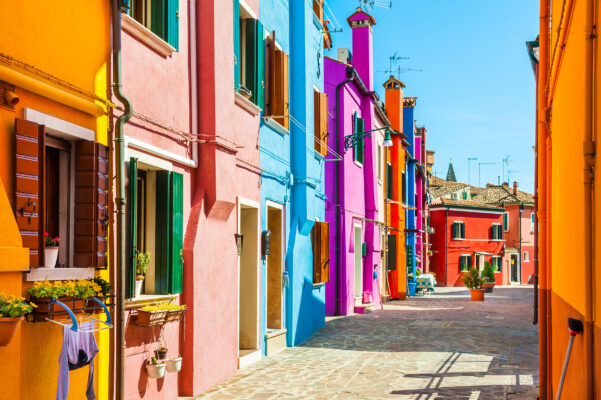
<point>175,315</point>
<point>150,318</point>
<point>8,327</point>
<point>54,311</point>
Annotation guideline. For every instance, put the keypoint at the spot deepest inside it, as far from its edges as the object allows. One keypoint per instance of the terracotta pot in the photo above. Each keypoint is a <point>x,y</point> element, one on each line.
<point>477,294</point>
<point>50,256</point>
<point>488,286</point>
<point>8,327</point>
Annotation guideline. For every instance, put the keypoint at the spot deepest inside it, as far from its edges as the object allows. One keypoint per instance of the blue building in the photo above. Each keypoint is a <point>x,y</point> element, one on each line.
<point>409,130</point>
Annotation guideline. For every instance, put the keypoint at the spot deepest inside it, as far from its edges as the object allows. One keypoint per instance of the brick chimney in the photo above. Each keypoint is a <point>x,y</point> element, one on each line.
<point>515,188</point>
<point>361,23</point>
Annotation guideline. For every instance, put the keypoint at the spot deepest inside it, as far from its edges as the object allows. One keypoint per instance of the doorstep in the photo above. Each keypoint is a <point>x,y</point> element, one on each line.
<point>248,357</point>
<point>365,308</point>
<point>276,341</point>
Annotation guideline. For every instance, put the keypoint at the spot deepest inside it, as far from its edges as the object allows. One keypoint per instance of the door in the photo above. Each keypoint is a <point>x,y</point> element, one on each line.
<point>274,269</point>
<point>479,262</point>
<point>358,239</point>
<point>515,268</point>
<point>249,281</point>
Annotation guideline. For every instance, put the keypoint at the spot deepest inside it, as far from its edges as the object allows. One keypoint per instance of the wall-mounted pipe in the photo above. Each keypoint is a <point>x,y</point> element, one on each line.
<point>120,199</point>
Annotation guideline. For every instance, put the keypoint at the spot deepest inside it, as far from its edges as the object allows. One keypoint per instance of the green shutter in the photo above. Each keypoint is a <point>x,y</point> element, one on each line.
<point>462,225</point>
<point>173,23</point>
<point>494,232</point>
<point>469,262</point>
<point>454,230</point>
<point>355,130</point>
<point>505,221</point>
<point>392,253</point>
<point>162,232</point>
<point>158,20</point>
<point>361,142</point>
<point>255,60</point>
<point>132,223</point>
<point>177,233</point>
<point>389,181</point>
<point>409,258</point>
<point>236,45</point>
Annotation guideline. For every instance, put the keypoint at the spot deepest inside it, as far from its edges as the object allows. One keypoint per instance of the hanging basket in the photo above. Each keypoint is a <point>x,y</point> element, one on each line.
<point>8,327</point>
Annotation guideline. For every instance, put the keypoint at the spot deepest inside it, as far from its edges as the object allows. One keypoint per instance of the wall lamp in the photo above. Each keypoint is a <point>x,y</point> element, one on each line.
<point>239,241</point>
<point>351,140</point>
<point>11,97</point>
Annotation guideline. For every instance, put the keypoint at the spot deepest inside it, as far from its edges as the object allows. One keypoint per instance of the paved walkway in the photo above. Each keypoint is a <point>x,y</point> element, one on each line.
<point>440,346</point>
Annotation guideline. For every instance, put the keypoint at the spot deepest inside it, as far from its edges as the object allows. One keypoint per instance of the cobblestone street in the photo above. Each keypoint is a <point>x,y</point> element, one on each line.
<point>441,346</point>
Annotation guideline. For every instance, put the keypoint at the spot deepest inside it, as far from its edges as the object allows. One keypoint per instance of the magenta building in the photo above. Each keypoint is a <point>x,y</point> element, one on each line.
<point>421,212</point>
<point>351,206</point>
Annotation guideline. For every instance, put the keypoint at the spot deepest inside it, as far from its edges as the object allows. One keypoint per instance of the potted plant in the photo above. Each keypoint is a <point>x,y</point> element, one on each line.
<point>174,364</point>
<point>12,311</point>
<point>473,282</point>
<point>162,352</point>
<point>155,369</point>
<point>104,289</point>
<point>142,261</point>
<point>159,314</point>
<point>489,277</point>
<point>51,247</point>
<point>67,292</point>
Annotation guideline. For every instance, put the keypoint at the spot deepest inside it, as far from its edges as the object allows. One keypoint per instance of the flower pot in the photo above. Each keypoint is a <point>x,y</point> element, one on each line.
<point>488,287</point>
<point>43,310</point>
<point>174,364</point>
<point>8,327</point>
<point>477,294</point>
<point>161,354</point>
<point>155,371</point>
<point>139,284</point>
<point>367,297</point>
<point>411,287</point>
<point>50,257</point>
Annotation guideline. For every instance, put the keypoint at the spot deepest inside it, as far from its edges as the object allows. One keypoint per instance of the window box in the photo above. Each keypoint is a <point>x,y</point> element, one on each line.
<point>8,327</point>
<point>158,317</point>
<point>49,309</point>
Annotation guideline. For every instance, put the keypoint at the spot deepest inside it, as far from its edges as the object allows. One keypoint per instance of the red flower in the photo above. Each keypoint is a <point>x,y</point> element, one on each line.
<point>46,234</point>
<point>56,239</point>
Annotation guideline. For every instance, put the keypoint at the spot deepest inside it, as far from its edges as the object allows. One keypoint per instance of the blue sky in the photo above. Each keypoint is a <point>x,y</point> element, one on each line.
<point>476,93</point>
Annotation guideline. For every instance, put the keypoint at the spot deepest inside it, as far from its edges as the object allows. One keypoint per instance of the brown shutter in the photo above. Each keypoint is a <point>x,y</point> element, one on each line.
<point>325,251</point>
<point>280,104</point>
<point>270,76</point>
<point>29,187</point>
<point>318,9</point>
<point>323,122</point>
<point>316,253</point>
<point>317,118</point>
<point>91,200</point>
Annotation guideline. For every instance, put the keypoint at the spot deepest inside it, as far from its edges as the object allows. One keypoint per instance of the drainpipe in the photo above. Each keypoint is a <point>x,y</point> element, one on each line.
<point>542,195</point>
<point>589,194</point>
<point>339,209</point>
<point>120,200</point>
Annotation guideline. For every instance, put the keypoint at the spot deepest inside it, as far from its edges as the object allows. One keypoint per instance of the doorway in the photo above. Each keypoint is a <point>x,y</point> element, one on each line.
<point>358,240</point>
<point>515,268</point>
<point>248,334</point>
<point>479,262</point>
<point>274,269</point>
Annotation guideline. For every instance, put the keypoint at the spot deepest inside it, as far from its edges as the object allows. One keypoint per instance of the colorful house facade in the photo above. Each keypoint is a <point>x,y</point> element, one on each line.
<point>421,184</point>
<point>466,235</point>
<point>351,208</point>
<point>409,129</point>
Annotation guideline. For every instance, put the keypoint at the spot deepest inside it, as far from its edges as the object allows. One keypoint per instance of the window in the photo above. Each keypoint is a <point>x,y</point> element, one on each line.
<point>155,225</point>
<point>321,252</point>
<point>379,161</point>
<point>277,101</point>
<point>392,253</point>
<point>464,196</point>
<point>404,191</point>
<point>159,16</point>
<point>496,263</point>
<point>359,149</point>
<point>465,262</point>
<point>320,107</point>
<point>389,181</point>
<point>454,196</point>
<point>532,221</point>
<point>526,256</point>
<point>505,221</point>
<point>61,188</point>
<point>497,232</point>
<point>249,48</point>
<point>458,230</point>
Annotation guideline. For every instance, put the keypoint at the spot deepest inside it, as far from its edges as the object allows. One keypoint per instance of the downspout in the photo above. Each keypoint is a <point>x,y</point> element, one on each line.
<point>337,200</point>
<point>589,194</point>
<point>542,194</point>
<point>120,200</point>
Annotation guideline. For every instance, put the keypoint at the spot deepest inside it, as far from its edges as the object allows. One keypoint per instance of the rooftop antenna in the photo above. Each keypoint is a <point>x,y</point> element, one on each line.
<point>506,162</point>
<point>392,60</point>
<point>369,5</point>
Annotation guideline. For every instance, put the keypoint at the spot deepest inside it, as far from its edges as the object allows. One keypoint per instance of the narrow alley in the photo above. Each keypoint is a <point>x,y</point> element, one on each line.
<point>439,346</point>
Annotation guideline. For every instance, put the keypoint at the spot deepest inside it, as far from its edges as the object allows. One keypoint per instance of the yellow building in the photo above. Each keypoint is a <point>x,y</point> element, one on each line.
<point>54,64</point>
<point>569,230</point>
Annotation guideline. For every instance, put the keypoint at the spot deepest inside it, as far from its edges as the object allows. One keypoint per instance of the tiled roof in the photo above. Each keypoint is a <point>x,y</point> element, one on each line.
<point>502,195</point>
<point>440,187</point>
<point>441,201</point>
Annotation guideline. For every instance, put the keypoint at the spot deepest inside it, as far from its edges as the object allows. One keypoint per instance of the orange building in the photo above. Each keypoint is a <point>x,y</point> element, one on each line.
<point>395,183</point>
<point>567,210</point>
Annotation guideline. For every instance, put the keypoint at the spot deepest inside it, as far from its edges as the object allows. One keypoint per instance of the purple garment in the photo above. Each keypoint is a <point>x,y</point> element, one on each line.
<point>79,349</point>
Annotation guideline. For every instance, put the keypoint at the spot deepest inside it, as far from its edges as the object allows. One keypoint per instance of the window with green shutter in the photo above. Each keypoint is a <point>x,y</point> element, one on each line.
<point>496,263</point>
<point>497,232</point>
<point>253,60</point>
<point>465,262</point>
<point>458,230</point>
<point>505,222</point>
<point>236,45</point>
<point>359,149</point>
<point>160,16</point>
<point>389,181</point>
<point>391,253</point>
<point>532,222</point>
<point>404,188</point>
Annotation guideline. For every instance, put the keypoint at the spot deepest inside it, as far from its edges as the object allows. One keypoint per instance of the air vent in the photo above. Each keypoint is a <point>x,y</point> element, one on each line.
<point>4,87</point>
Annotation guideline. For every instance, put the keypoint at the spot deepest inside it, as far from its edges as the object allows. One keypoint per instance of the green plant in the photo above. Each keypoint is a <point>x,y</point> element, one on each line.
<point>418,272</point>
<point>105,286</point>
<point>153,361</point>
<point>49,242</point>
<point>162,307</point>
<point>14,307</point>
<point>163,349</point>
<point>42,290</point>
<point>87,288</point>
<point>487,272</point>
<point>472,280</point>
<point>142,261</point>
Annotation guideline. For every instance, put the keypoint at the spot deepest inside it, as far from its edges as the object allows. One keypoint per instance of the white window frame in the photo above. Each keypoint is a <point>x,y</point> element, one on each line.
<point>497,224</point>
<point>526,256</point>
<point>459,222</point>
<point>461,258</point>
<point>505,213</point>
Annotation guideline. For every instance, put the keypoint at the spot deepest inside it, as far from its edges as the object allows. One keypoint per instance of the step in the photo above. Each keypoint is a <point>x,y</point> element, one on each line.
<point>364,308</point>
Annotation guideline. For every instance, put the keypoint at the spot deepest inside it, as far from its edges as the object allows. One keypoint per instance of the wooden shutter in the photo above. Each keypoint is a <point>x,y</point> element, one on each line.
<point>454,229</point>
<point>462,227</point>
<point>361,142</point>
<point>173,23</point>
<point>162,232</point>
<point>316,233</point>
<point>318,9</point>
<point>317,120</point>
<point>325,251</point>
<point>270,74</point>
<point>281,105</point>
<point>132,224</point>
<point>176,266</point>
<point>323,123</point>
<point>158,20</point>
<point>355,131</point>
<point>237,45</point>
<point>255,60</point>
<point>469,262</point>
<point>29,187</point>
<point>391,253</point>
<point>389,181</point>
<point>409,251</point>
<point>91,205</point>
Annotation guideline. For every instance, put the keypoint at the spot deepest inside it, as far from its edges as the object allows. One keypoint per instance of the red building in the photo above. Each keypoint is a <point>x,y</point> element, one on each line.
<point>466,234</point>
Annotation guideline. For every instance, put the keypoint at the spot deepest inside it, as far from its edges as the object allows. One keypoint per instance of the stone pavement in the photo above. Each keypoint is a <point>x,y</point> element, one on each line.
<point>441,346</point>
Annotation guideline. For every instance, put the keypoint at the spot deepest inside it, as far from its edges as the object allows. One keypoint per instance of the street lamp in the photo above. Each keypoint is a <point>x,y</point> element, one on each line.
<point>469,169</point>
<point>351,140</point>
<point>479,165</point>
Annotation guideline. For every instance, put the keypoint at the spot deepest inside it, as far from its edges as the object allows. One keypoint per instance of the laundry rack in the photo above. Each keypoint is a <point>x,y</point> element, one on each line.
<point>77,320</point>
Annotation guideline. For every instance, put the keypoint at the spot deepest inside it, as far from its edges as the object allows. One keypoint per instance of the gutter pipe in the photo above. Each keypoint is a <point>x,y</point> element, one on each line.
<point>120,199</point>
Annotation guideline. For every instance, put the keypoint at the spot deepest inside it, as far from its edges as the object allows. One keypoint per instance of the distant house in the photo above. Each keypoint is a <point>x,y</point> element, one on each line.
<point>440,188</point>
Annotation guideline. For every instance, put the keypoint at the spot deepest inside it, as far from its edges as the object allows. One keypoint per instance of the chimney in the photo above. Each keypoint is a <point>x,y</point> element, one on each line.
<point>361,23</point>
<point>515,188</point>
<point>394,102</point>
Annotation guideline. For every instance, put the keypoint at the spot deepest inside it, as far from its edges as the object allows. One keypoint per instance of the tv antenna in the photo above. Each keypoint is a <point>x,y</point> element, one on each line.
<point>506,162</point>
<point>370,4</point>
<point>393,60</point>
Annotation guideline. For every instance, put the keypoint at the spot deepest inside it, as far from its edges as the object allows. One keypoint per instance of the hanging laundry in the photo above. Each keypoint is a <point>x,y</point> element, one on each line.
<point>79,350</point>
